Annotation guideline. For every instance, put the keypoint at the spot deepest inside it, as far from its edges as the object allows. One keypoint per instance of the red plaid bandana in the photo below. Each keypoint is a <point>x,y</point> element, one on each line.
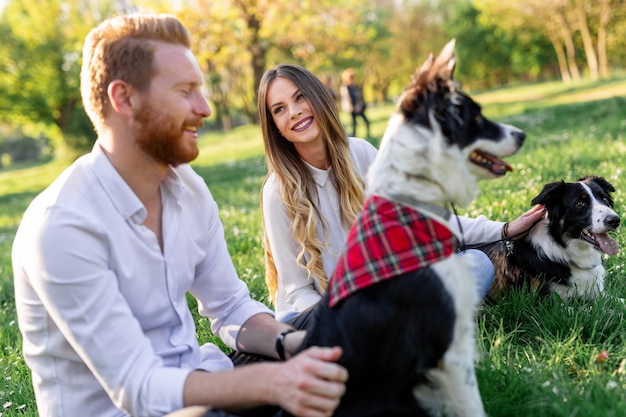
<point>388,239</point>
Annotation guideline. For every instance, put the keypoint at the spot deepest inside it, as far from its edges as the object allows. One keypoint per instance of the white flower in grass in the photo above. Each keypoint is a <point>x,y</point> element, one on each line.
<point>7,404</point>
<point>611,385</point>
<point>527,370</point>
<point>546,384</point>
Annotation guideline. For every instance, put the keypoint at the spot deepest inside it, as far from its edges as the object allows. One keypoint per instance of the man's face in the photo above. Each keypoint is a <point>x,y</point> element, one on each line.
<point>172,110</point>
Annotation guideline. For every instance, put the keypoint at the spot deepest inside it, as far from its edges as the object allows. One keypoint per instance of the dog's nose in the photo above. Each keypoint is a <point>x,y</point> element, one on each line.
<point>612,222</point>
<point>519,136</point>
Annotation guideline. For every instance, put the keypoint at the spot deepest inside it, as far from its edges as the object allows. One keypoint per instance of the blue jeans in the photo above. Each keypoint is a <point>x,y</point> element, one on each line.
<point>483,270</point>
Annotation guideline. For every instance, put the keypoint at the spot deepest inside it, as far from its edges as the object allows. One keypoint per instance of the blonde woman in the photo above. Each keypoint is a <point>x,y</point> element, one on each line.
<point>314,188</point>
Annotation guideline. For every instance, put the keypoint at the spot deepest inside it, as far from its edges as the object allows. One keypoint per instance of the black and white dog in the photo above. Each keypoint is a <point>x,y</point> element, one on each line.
<point>401,304</point>
<point>563,252</point>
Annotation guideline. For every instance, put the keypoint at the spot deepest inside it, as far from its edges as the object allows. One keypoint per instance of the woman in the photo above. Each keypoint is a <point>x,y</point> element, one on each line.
<point>314,190</point>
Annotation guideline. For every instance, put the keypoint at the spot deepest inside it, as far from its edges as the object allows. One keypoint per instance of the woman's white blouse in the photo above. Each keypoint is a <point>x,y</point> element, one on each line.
<point>296,289</point>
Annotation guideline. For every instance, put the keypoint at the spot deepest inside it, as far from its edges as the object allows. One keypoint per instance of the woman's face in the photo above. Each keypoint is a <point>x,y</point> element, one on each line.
<point>292,113</point>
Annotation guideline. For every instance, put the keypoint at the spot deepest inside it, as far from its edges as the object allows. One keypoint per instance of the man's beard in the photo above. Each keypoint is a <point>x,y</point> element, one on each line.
<point>161,136</point>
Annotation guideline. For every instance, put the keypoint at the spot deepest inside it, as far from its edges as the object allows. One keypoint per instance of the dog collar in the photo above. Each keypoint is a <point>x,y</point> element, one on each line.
<point>442,212</point>
<point>386,240</point>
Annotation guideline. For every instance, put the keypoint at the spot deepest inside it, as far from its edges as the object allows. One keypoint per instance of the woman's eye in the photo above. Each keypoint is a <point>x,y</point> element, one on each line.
<point>277,110</point>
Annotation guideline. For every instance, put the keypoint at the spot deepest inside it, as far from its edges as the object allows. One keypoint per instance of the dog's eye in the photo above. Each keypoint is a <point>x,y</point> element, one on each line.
<point>580,204</point>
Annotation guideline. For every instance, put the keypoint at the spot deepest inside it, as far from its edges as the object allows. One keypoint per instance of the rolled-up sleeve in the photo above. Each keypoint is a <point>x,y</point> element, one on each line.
<point>477,230</point>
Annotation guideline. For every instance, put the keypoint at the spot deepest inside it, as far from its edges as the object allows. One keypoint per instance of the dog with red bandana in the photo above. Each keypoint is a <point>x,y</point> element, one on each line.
<point>401,302</point>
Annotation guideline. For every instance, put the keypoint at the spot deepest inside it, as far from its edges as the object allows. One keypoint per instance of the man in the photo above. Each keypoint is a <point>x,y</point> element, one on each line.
<point>104,257</point>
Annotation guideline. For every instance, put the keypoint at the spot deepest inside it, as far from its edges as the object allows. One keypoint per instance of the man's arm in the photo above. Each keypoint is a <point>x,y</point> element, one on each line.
<point>258,335</point>
<point>308,385</point>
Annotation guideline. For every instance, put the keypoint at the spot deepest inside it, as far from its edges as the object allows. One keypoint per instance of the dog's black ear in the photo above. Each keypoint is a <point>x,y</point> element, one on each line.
<point>551,195</point>
<point>606,187</point>
<point>551,192</point>
<point>602,183</point>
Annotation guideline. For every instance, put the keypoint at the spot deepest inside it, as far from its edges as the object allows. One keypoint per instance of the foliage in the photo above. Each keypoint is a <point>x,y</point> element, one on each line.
<point>39,80</point>
<point>497,56</point>
<point>237,40</point>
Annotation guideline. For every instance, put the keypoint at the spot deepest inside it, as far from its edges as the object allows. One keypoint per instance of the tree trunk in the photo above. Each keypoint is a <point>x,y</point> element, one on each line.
<point>568,40</point>
<point>560,57</point>
<point>583,27</point>
<point>605,18</point>
<point>258,68</point>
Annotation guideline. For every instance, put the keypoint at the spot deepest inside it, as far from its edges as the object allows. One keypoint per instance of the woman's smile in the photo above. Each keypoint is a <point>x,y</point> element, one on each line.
<point>303,124</point>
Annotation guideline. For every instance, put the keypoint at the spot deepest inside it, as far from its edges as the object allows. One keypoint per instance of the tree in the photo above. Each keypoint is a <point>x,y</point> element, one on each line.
<point>566,23</point>
<point>548,17</point>
<point>237,40</point>
<point>39,80</point>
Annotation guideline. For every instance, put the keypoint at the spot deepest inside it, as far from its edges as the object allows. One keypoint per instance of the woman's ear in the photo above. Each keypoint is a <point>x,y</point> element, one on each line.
<point>120,96</point>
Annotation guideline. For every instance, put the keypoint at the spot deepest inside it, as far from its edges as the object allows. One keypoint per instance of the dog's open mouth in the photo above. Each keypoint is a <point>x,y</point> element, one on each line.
<point>490,162</point>
<point>601,241</point>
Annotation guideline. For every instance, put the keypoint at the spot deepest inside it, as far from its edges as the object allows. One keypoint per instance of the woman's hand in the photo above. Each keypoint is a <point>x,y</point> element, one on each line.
<point>519,227</point>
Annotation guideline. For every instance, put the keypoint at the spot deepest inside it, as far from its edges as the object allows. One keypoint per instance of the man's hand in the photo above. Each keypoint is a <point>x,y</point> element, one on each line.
<point>310,384</point>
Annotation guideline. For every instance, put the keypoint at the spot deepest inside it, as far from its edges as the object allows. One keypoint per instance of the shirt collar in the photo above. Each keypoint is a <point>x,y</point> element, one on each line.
<point>320,176</point>
<point>122,196</point>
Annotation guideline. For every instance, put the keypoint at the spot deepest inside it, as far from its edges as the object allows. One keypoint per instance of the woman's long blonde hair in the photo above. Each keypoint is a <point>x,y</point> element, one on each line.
<point>297,186</point>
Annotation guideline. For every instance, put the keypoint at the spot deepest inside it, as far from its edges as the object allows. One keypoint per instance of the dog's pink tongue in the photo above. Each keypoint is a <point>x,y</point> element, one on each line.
<point>500,167</point>
<point>607,244</point>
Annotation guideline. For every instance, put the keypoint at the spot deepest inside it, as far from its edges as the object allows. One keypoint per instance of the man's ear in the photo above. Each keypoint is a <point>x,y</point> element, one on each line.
<point>121,97</point>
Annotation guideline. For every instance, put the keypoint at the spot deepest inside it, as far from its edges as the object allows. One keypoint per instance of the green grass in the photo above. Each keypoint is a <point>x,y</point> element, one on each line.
<point>538,357</point>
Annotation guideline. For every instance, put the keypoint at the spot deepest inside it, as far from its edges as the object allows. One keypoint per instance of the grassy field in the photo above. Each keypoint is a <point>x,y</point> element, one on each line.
<point>538,357</point>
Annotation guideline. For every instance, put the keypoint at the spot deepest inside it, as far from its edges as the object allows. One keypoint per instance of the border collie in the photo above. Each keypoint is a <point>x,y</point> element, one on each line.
<point>408,342</point>
<point>562,253</point>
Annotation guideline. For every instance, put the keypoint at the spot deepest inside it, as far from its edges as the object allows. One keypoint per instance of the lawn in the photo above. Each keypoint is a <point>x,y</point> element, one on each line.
<point>538,357</point>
